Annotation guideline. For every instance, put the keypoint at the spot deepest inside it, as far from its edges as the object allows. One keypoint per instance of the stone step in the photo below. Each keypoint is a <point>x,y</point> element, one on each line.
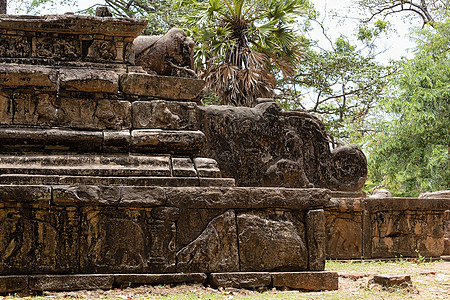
<point>109,165</point>
<point>78,165</point>
<point>59,140</point>
<point>26,179</point>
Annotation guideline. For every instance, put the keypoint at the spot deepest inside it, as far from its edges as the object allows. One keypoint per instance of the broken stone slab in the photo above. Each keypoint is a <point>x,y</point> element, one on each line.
<point>165,87</point>
<point>13,283</point>
<point>207,167</point>
<point>306,280</point>
<point>246,280</point>
<point>166,141</point>
<point>126,280</point>
<point>214,250</point>
<point>70,282</point>
<point>387,280</point>
<point>91,81</point>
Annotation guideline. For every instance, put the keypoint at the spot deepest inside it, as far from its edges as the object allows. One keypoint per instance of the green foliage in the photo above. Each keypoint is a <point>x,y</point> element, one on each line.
<point>161,14</point>
<point>410,154</point>
<point>243,44</point>
<point>343,86</point>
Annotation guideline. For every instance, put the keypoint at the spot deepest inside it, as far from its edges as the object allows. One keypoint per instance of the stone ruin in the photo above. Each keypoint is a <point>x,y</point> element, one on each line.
<point>113,175</point>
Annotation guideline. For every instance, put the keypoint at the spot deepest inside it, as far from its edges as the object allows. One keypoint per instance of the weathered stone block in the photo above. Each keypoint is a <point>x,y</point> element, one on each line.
<point>194,197</point>
<point>392,280</point>
<point>6,109</point>
<point>406,233</point>
<point>216,182</point>
<point>296,199</point>
<point>183,166</point>
<point>164,114</point>
<point>70,282</point>
<point>14,46</point>
<point>38,238</point>
<point>192,222</point>
<point>344,235</point>
<point>37,109</point>
<point>165,87</point>
<point>95,114</point>
<point>164,141</point>
<point>126,280</point>
<point>12,75</point>
<point>272,240</point>
<point>30,193</point>
<point>115,240</point>
<point>84,195</point>
<point>142,196</point>
<point>214,250</point>
<point>13,283</point>
<point>78,141</point>
<point>116,141</point>
<point>310,281</point>
<point>246,280</point>
<point>85,80</point>
<point>207,167</point>
<point>315,233</point>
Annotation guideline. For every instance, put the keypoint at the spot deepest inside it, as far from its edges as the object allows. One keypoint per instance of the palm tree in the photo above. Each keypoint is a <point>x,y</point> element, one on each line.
<point>243,44</point>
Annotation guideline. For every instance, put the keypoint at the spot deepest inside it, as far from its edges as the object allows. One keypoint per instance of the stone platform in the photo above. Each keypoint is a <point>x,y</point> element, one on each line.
<point>47,231</point>
<point>306,280</point>
<point>105,182</point>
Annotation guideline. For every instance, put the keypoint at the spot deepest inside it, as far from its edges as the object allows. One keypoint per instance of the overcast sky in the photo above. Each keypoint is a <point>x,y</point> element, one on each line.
<point>397,43</point>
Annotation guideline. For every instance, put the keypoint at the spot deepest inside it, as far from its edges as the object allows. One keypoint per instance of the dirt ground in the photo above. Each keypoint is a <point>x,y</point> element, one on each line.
<point>430,280</point>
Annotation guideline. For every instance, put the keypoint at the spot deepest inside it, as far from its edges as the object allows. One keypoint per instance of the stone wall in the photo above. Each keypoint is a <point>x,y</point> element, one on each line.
<point>384,227</point>
<point>99,229</point>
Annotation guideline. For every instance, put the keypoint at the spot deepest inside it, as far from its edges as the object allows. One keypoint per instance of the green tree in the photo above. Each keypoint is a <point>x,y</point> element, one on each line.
<point>243,44</point>
<point>410,153</point>
<point>340,84</point>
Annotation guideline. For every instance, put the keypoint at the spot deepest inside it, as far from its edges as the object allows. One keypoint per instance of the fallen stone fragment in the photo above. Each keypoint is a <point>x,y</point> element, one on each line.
<point>392,280</point>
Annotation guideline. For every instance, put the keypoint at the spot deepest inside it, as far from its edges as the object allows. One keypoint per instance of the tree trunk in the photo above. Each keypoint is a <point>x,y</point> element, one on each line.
<point>2,6</point>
